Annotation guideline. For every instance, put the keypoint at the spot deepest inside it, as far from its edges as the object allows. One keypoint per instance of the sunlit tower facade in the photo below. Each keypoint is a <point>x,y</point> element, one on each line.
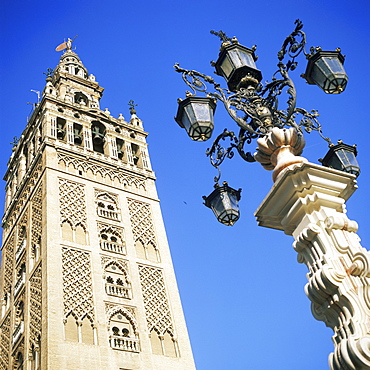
<point>86,278</point>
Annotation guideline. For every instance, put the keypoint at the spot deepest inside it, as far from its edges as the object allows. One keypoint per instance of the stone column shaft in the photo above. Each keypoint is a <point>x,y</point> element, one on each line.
<point>307,201</point>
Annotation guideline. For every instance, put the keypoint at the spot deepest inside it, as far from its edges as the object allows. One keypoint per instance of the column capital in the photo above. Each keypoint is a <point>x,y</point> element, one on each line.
<point>300,190</point>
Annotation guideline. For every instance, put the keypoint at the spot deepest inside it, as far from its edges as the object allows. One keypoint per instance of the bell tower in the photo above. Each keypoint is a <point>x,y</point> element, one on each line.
<point>86,278</point>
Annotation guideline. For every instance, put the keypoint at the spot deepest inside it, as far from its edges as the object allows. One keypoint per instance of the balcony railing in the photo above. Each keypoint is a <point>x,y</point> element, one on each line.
<point>108,214</point>
<point>117,290</point>
<point>112,247</point>
<point>18,333</point>
<point>124,344</point>
<point>19,284</point>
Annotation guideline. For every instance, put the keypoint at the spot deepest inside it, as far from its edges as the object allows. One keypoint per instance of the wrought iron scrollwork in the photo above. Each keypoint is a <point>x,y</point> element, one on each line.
<point>255,107</point>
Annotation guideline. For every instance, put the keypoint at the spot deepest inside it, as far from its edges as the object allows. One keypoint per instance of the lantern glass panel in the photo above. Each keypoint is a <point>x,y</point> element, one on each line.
<point>203,112</point>
<point>226,67</point>
<point>185,120</point>
<point>348,161</point>
<point>189,112</point>
<point>240,58</point>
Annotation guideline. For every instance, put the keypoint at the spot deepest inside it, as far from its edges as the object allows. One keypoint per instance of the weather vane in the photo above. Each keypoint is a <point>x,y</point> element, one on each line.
<point>66,45</point>
<point>49,73</point>
<point>14,142</point>
<point>132,105</point>
<point>222,35</point>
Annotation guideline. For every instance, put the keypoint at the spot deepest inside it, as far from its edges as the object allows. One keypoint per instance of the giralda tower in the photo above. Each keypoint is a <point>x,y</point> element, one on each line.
<point>86,280</point>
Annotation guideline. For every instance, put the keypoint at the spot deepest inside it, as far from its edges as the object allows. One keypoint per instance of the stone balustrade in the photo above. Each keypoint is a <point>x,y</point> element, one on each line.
<point>124,343</point>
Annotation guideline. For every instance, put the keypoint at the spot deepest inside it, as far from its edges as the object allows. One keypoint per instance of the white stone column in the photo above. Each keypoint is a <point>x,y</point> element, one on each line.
<point>307,201</point>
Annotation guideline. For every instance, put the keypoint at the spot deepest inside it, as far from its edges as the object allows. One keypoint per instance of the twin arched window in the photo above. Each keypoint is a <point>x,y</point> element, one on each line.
<point>116,281</point>
<point>122,332</point>
<point>107,207</point>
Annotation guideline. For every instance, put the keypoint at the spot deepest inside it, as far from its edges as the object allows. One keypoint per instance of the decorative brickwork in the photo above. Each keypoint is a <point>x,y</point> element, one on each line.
<point>157,309</point>
<point>141,221</point>
<point>8,255</point>
<point>35,305</point>
<point>5,343</point>
<point>36,217</point>
<point>24,195</point>
<point>72,203</point>
<point>77,284</point>
<point>124,178</point>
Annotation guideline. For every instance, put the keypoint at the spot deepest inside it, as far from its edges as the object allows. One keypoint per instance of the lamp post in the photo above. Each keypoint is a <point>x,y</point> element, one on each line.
<point>307,200</point>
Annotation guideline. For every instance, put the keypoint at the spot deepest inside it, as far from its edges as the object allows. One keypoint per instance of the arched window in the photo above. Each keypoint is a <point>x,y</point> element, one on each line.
<point>163,344</point>
<point>36,355</point>
<point>107,206</point>
<point>71,329</point>
<point>18,322</point>
<point>147,251</point>
<point>35,252</point>
<point>21,279</point>
<point>80,98</point>
<point>80,234</point>
<point>67,231</point>
<point>19,361</point>
<point>111,241</point>
<point>136,155</point>
<point>77,134</point>
<point>156,342</point>
<point>122,332</point>
<point>61,128</point>
<point>87,331</point>
<point>120,144</point>
<point>116,281</point>
<point>22,243</point>
<point>98,132</point>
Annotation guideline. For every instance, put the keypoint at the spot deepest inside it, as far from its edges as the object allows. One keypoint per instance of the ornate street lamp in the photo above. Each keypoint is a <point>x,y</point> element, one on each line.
<point>342,157</point>
<point>307,201</point>
<point>224,203</point>
<point>325,69</point>
<point>195,114</point>
<point>236,63</point>
<point>255,108</point>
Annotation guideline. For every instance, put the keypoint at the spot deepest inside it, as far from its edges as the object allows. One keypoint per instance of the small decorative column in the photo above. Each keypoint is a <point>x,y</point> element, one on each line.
<point>307,201</point>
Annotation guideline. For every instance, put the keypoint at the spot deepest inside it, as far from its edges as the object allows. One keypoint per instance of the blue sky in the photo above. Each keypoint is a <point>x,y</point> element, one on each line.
<point>241,286</point>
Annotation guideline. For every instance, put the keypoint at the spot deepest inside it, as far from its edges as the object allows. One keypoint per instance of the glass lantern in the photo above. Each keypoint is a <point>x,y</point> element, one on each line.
<point>235,63</point>
<point>342,157</point>
<point>195,114</point>
<point>224,203</point>
<point>325,69</point>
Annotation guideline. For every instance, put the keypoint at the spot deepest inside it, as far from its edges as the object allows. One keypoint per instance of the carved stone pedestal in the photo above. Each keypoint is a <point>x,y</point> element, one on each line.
<point>307,201</point>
